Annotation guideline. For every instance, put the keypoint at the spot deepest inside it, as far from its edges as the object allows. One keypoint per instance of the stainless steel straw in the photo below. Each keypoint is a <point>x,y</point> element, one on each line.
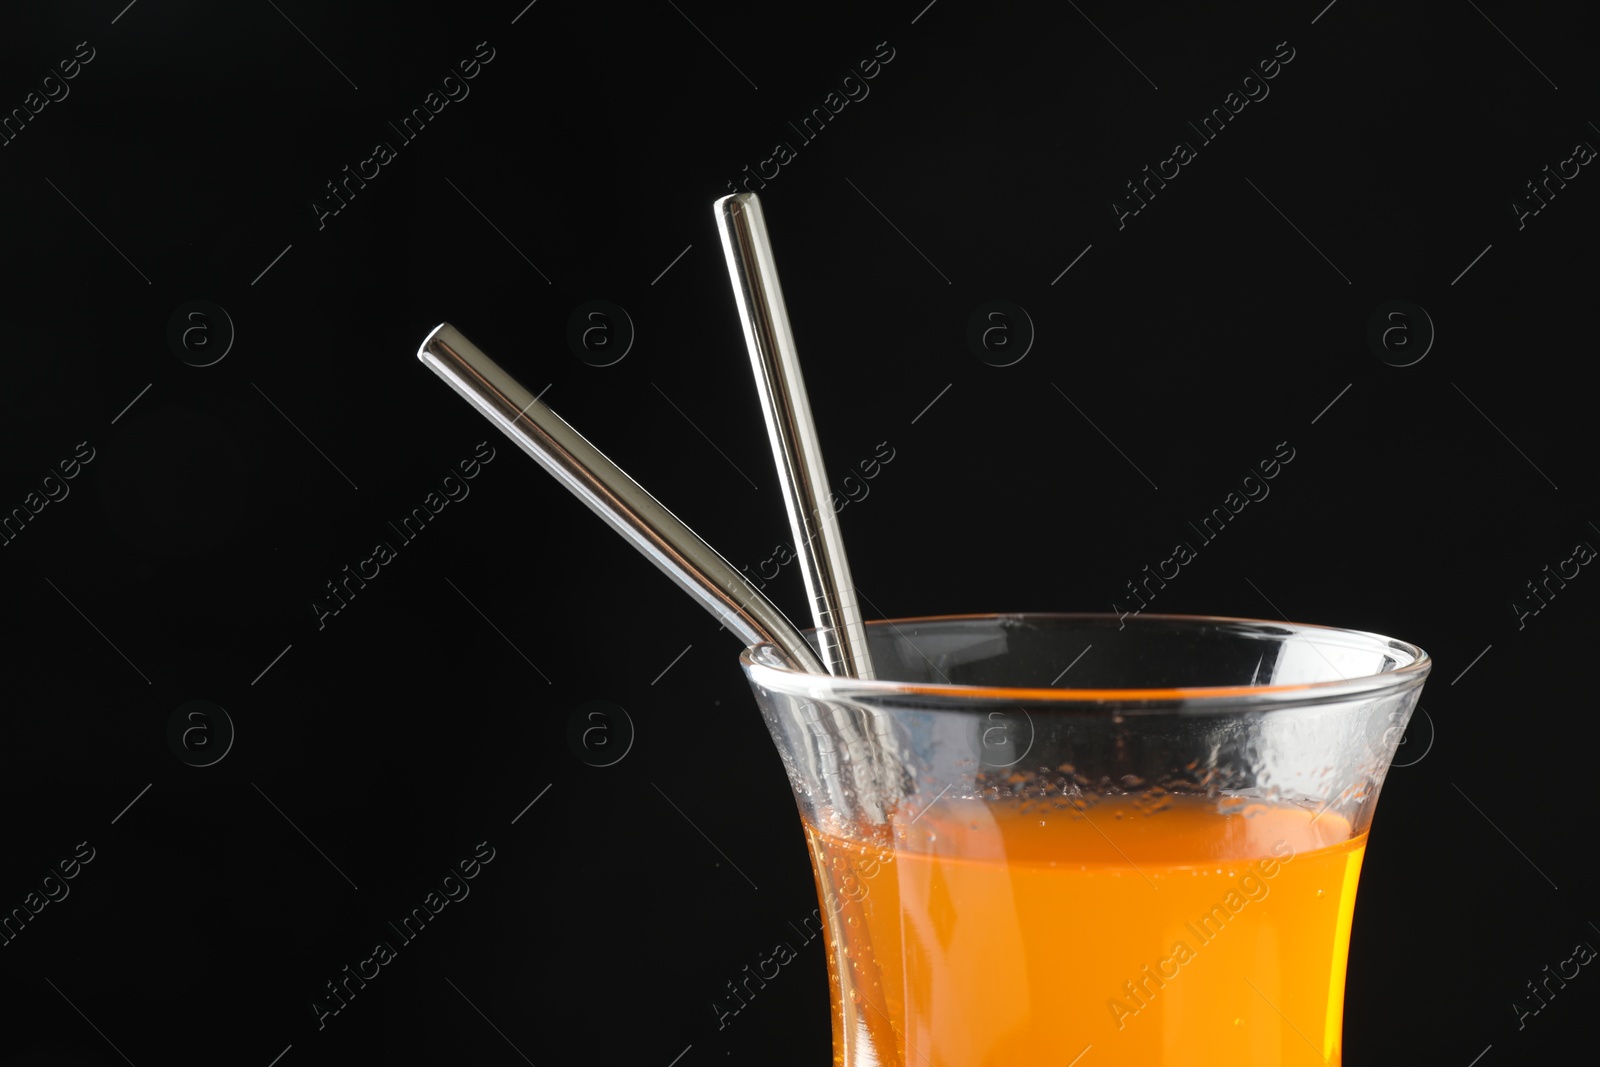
<point>793,435</point>
<point>677,550</point>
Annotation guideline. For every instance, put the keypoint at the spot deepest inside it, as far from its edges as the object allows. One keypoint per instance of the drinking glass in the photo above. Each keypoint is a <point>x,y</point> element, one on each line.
<point>1135,841</point>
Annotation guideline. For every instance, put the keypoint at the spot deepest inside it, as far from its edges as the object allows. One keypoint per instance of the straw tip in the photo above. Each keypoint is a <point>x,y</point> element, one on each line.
<point>422,349</point>
<point>731,203</point>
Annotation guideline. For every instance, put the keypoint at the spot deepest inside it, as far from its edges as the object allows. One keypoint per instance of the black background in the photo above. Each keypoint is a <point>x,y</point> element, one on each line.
<point>377,750</point>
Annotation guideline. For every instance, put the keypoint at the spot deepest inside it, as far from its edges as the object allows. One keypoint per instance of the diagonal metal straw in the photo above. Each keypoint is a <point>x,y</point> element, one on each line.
<point>793,435</point>
<point>678,551</point>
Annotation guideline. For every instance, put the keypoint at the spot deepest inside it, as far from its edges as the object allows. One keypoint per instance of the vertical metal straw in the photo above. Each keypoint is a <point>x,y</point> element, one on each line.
<point>820,545</point>
<point>793,435</point>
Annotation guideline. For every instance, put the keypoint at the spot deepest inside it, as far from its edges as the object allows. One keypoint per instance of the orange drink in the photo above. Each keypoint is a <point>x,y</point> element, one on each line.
<point>1025,933</point>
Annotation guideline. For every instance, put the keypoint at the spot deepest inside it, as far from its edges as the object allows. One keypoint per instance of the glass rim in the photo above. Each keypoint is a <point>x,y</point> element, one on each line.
<point>803,684</point>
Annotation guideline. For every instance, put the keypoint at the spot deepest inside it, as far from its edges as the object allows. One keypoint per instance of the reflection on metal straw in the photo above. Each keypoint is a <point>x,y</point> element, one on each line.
<point>677,550</point>
<point>793,435</point>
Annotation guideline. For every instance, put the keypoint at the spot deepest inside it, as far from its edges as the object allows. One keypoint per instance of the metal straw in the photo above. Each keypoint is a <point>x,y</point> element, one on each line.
<point>793,435</point>
<point>677,550</point>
